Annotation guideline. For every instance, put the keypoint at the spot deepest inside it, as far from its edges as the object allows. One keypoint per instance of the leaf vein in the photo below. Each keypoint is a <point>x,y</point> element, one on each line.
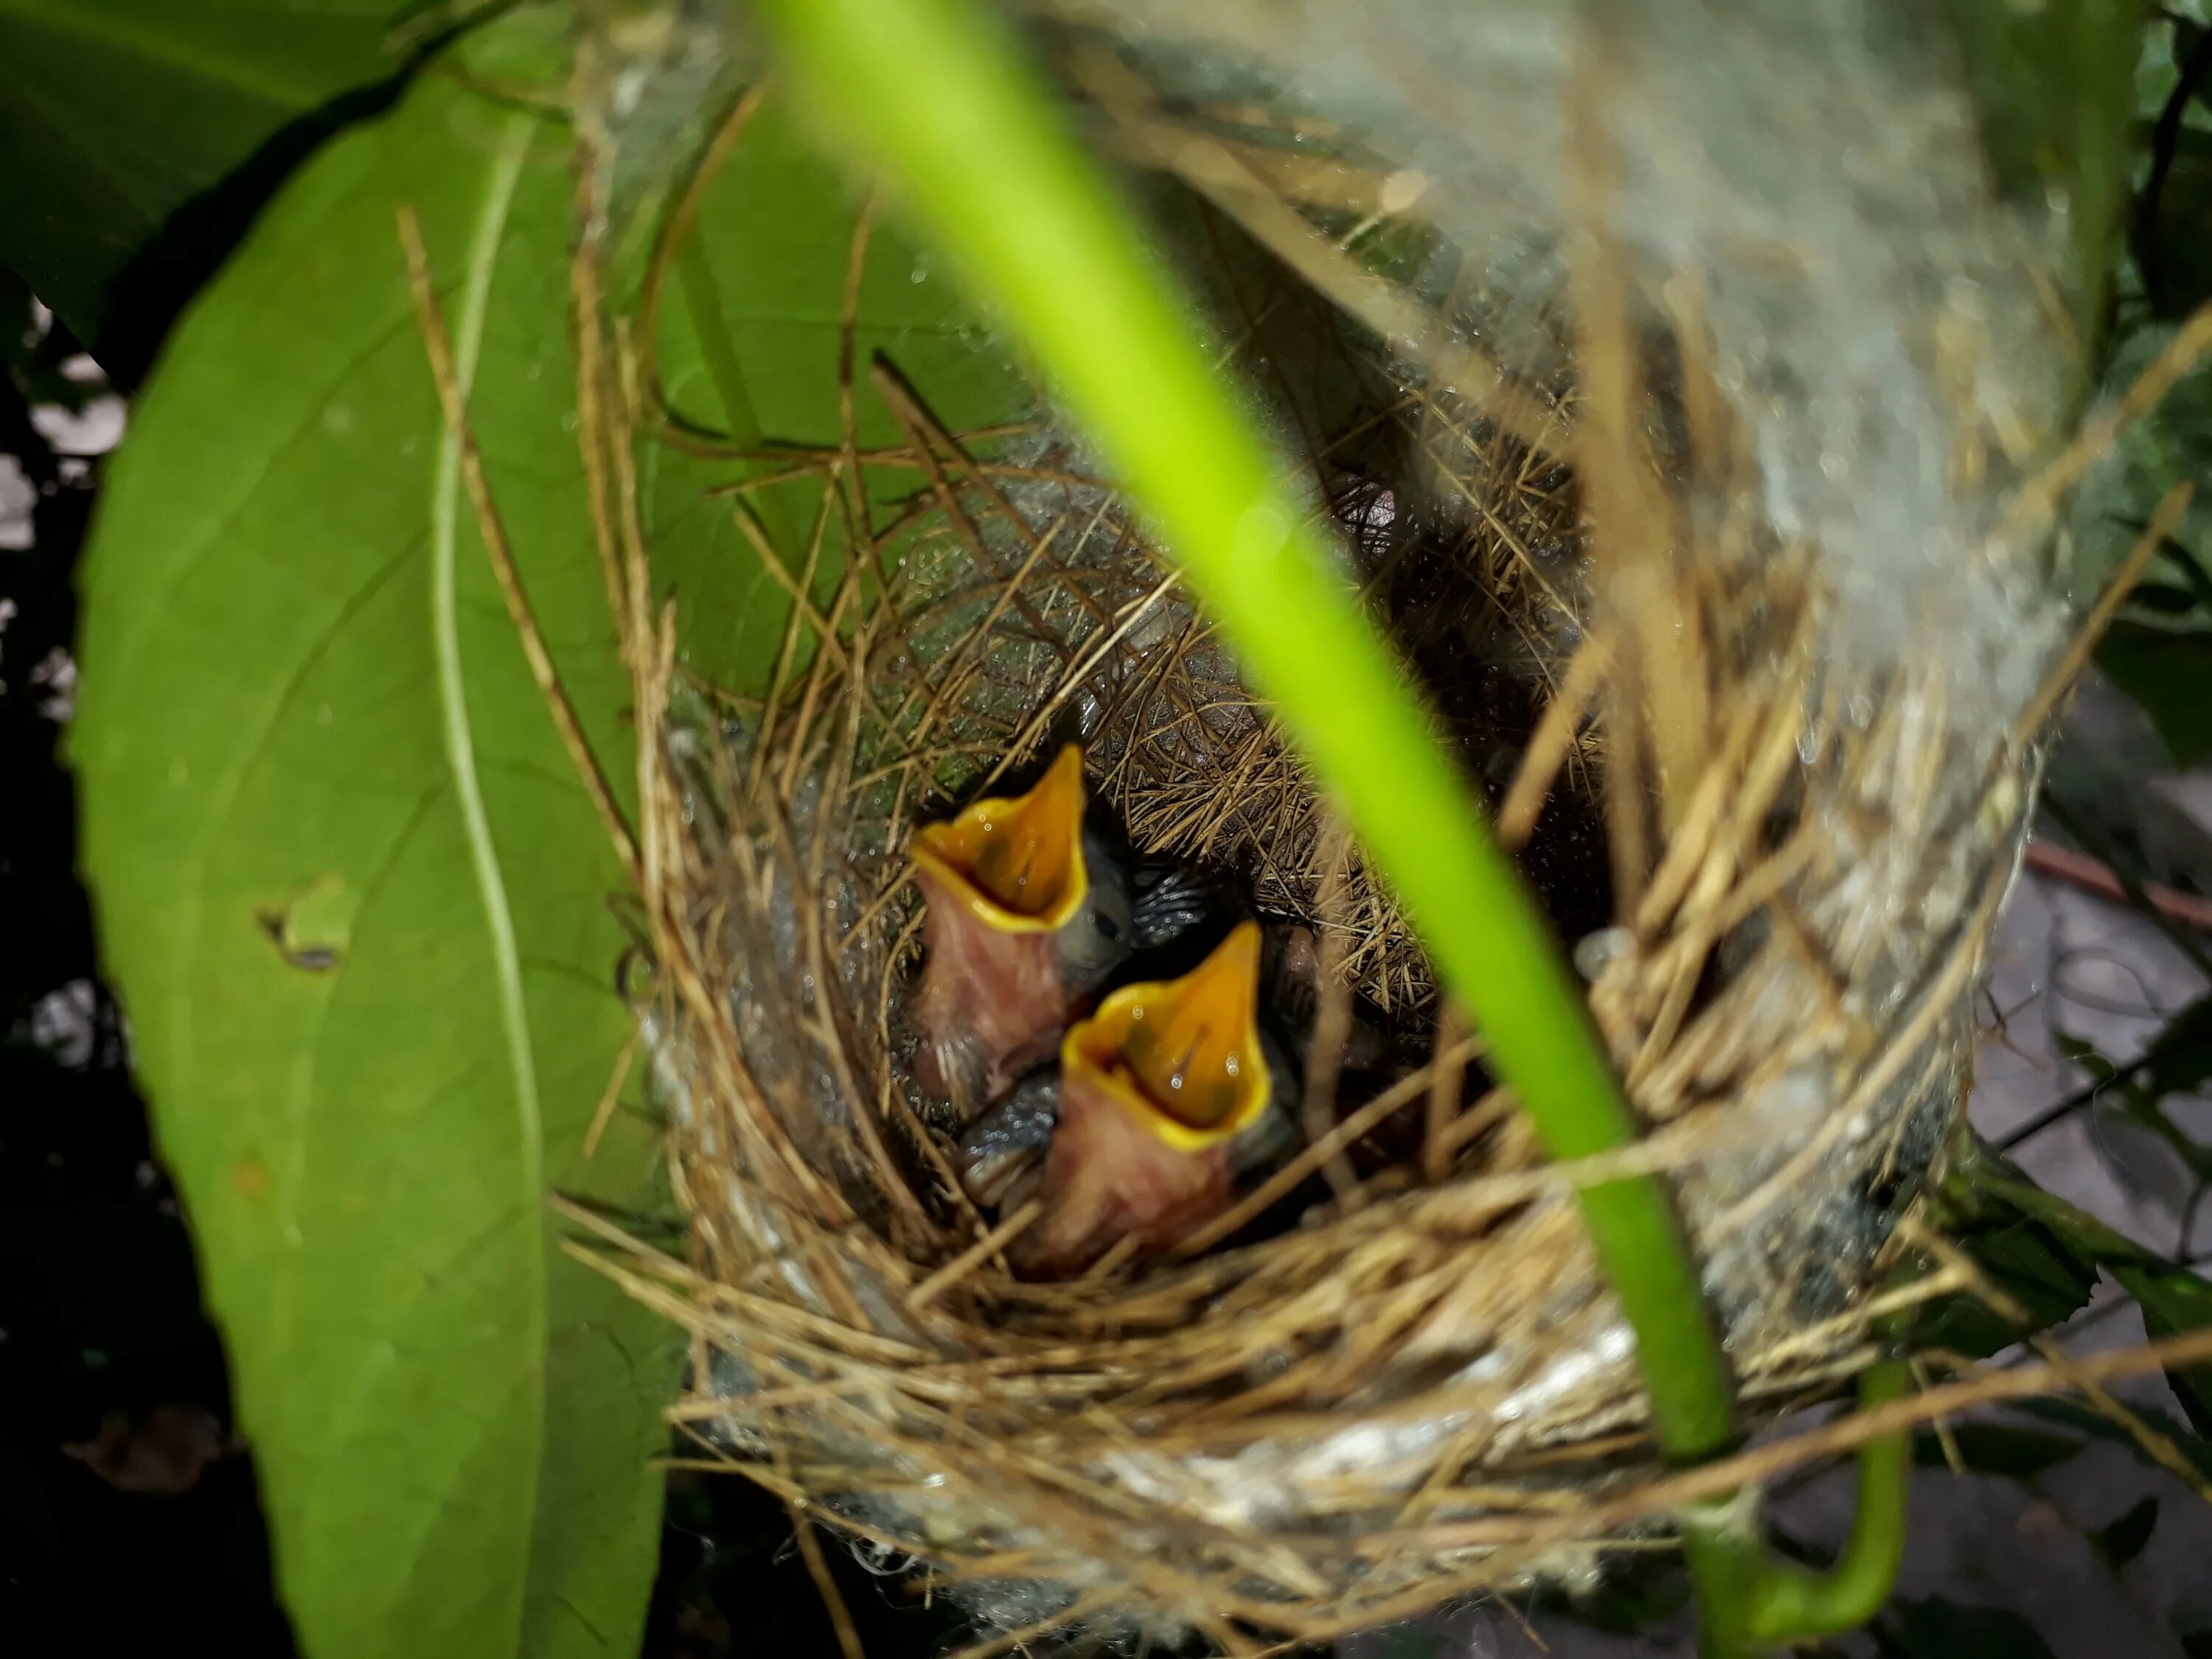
<point>460,742</point>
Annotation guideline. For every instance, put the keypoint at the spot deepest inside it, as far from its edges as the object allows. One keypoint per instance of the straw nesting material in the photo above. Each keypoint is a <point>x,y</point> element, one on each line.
<point>1775,807</point>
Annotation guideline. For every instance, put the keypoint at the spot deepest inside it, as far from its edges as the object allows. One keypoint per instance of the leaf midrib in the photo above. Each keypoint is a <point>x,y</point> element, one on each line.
<point>506,173</point>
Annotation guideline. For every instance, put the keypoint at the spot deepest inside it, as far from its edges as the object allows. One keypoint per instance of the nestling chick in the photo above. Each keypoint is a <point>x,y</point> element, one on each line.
<point>1032,902</point>
<point>1163,1104</point>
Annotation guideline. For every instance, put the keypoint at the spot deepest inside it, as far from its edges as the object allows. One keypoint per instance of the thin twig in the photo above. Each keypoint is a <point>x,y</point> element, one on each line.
<point>2079,869</point>
<point>604,1113</point>
<point>2060,680</point>
<point>438,346</point>
<point>974,1256</point>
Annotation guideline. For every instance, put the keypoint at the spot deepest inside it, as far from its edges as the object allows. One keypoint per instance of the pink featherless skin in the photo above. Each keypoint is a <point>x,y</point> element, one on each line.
<point>990,1004</point>
<point>1109,1176</point>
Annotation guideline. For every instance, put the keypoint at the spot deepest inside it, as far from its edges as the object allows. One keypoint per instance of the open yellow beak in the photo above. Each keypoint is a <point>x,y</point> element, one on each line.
<point>1017,864</point>
<point>1184,1055</point>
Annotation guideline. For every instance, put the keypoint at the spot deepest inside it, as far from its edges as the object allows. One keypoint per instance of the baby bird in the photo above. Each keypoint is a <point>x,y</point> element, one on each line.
<point>1032,902</point>
<point>1162,1103</point>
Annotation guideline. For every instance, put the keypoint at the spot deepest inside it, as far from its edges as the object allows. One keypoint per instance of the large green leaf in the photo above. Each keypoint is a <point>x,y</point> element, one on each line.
<point>115,114</point>
<point>356,901</point>
<point>775,235</point>
<point>2053,85</point>
<point>350,890</point>
<point>777,226</point>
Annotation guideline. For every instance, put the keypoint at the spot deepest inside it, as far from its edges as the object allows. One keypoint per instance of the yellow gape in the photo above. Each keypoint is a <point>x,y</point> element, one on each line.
<point>1015,864</point>
<point>1184,1053</point>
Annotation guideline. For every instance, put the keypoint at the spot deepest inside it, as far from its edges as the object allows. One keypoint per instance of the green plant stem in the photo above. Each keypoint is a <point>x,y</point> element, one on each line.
<point>933,94</point>
<point>1797,1606</point>
<point>1755,1602</point>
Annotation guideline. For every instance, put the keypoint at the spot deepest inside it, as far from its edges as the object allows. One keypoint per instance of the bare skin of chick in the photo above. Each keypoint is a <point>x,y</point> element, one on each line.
<point>1031,903</point>
<point>1163,1105</point>
<point>1028,911</point>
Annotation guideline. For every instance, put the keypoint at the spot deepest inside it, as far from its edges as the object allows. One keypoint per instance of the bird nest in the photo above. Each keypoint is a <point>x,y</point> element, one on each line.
<point>1771,791</point>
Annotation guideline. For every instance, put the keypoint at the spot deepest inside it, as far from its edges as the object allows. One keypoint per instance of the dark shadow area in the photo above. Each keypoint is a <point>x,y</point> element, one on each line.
<point>162,276</point>
<point>127,1516</point>
<point>732,1583</point>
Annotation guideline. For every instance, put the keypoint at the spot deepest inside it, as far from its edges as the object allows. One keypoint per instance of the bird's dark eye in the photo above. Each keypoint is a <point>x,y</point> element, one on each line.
<point>1108,927</point>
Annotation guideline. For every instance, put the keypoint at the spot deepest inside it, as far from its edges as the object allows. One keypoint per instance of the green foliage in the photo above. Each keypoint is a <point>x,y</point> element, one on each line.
<point>2091,1424</point>
<point>2034,1259</point>
<point>2171,444</point>
<point>2180,1058</point>
<point>2168,672</point>
<point>776,222</point>
<point>2121,1540</point>
<point>2002,1449</point>
<point>141,134</point>
<point>2053,89</point>
<point>2173,1064</point>
<point>2046,1254</point>
<point>351,890</point>
<point>356,901</point>
<point>750,339</point>
<point>1409,1644</point>
<point>2175,1301</point>
<point>2176,228</point>
<point>2161,651</point>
